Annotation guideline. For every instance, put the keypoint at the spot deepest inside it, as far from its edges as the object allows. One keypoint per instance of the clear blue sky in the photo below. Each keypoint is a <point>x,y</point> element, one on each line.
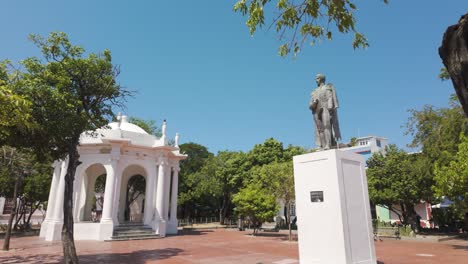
<point>194,63</point>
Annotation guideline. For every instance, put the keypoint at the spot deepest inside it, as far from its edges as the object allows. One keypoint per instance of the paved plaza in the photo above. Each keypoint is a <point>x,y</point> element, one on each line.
<point>220,246</point>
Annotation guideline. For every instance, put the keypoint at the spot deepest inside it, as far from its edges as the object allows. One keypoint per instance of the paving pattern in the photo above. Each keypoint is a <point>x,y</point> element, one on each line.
<point>220,246</point>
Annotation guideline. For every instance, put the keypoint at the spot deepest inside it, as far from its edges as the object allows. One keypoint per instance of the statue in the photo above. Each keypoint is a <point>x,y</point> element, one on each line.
<point>324,106</point>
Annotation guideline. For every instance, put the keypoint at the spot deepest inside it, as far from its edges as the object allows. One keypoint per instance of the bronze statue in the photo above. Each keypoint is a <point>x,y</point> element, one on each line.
<point>324,106</point>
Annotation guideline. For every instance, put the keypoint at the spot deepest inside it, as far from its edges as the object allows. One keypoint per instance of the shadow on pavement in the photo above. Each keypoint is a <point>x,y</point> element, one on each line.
<point>280,236</point>
<point>44,258</point>
<point>136,257</point>
<point>460,247</point>
<point>194,232</point>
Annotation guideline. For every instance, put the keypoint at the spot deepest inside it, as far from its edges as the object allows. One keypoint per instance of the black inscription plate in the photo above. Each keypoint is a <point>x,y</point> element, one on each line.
<point>316,196</point>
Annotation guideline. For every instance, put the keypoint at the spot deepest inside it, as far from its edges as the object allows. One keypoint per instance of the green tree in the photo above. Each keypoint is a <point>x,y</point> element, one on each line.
<point>190,178</point>
<point>398,181</point>
<point>437,131</point>
<point>269,151</point>
<point>15,109</point>
<point>25,178</point>
<point>278,179</point>
<point>452,180</point>
<point>353,142</point>
<point>291,151</point>
<point>297,22</point>
<point>147,125</point>
<point>229,171</point>
<point>70,93</point>
<point>256,203</point>
<point>14,166</point>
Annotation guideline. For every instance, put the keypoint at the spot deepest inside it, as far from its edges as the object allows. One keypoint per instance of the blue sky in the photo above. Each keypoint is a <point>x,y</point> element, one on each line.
<point>195,64</point>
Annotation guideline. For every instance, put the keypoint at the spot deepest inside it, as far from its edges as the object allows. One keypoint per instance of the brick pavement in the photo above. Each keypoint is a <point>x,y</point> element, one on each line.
<point>221,247</point>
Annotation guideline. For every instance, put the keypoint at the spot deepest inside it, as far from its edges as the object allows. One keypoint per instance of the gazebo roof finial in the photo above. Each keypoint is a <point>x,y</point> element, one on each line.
<point>119,119</point>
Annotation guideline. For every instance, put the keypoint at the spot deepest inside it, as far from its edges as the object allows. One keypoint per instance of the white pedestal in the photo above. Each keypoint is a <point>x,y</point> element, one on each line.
<point>333,210</point>
<point>106,230</point>
<point>172,227</point>
<point>160,228</point>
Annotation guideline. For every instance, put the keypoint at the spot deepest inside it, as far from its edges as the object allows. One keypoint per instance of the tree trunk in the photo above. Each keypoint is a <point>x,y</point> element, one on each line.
<point>68,243</point>
<point>454,55</point>
<point>288,215</point>
<point>6,244</point>
<point>31,212</point>
<point>224,208</point>
<point>19,213</point>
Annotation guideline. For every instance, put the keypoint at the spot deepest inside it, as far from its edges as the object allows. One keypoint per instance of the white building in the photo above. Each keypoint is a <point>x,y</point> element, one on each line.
<point>120,151</point>
<point>366,146</point>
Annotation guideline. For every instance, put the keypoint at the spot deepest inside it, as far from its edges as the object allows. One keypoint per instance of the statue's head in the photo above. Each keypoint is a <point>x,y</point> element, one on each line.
<point>320,78</point>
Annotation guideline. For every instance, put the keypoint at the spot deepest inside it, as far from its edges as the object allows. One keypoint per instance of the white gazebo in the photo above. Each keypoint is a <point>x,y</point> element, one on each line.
<point>120,152</point>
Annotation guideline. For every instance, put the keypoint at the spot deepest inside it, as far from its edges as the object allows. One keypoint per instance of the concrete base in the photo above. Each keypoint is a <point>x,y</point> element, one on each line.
<point>44,226</point>
<point>86,231</point>
<point>106,229</point>
<point>172,227</point>
<point>51,231</point>
<point>160,228</point>
<point>332,208</point>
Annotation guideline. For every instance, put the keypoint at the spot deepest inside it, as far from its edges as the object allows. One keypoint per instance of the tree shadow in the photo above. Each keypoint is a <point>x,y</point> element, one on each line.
<point>460,247</point>
<point>193,232</point>
<point>136,257</point>
<point>280,236</point>
<point>43,258</point>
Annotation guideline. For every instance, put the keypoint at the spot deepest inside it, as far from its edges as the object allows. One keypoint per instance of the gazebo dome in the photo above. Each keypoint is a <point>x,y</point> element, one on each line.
<point>126,126</point>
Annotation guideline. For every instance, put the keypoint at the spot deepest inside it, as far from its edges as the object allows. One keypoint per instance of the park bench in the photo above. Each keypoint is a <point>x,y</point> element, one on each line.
<point>391,231</point>
<point>269,227</point>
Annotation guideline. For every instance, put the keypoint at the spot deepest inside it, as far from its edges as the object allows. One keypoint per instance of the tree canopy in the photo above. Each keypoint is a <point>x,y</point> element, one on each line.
<point>70,92</point>
<point>15,109</point>
<point>452,179</point>
<point>256,203</point>
<point>398,181</point>
<point>298,22</point>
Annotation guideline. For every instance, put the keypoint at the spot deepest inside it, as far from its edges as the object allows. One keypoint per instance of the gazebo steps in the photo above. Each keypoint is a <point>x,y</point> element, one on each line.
<point>128,228</point>
<point>136,237</point>
<point>133,231</point>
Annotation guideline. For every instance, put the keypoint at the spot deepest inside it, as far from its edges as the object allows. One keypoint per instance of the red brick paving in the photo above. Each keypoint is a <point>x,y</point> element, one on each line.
<point>219,246</point>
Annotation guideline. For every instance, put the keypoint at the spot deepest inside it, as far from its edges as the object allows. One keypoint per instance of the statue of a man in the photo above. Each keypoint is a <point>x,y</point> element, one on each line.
<point>324,106</point>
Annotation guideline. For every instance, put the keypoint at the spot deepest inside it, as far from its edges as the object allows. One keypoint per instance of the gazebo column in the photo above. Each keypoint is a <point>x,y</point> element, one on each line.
<point>54,228</point>
<point>174,192</point>
<point>149,194</point>
<point>57,216</point>
<point>167,192</point>
<point>160,200</point>
<point>51,201</point>
<point>107,223</point>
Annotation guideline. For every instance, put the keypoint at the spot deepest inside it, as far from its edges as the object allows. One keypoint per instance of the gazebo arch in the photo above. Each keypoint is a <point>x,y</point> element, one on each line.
<point>138,204</point>
<point>89,178</point>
